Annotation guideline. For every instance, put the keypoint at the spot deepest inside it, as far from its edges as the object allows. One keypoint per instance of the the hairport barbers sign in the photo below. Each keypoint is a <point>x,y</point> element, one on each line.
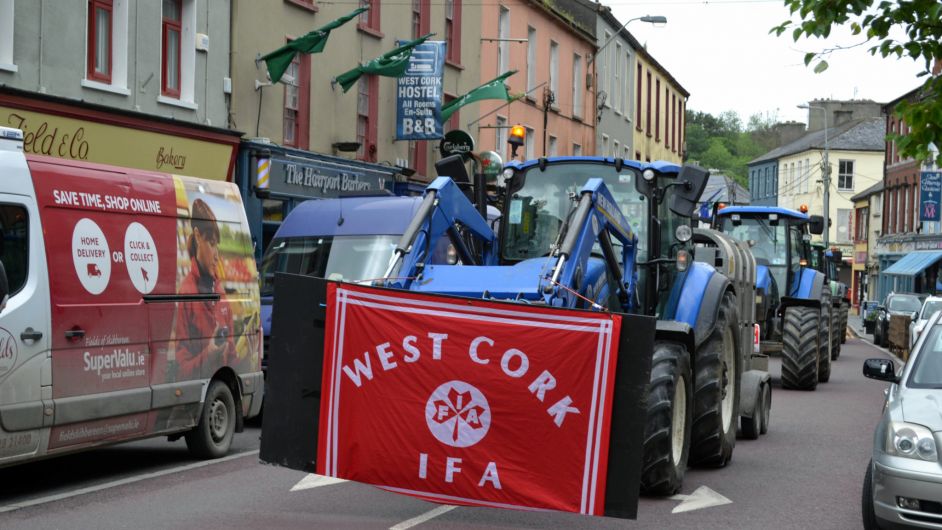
<point>321,178</point>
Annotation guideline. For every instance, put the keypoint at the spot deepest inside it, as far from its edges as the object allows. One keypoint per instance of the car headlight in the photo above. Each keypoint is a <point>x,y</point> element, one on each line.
<point>910,441</point>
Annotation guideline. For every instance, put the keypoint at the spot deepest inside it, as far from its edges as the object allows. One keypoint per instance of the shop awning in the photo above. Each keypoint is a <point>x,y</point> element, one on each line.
<point>915,262</point>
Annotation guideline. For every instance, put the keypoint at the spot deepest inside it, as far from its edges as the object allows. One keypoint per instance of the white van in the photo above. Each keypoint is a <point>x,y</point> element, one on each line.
<point>132,310</point>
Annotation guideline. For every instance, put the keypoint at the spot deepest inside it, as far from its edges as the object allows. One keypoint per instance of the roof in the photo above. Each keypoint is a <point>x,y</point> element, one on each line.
<point>876,188</point>
<point>866,134</point>
<point>718,188</point>
<point>383,215</point>
<point>729,210</point>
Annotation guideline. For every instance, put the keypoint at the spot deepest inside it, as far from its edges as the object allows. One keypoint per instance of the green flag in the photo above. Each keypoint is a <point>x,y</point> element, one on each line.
<point>314,42</point>
<point>390,64</point>
<point>493,89</point>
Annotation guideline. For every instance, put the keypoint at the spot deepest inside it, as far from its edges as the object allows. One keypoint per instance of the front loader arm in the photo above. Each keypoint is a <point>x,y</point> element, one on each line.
<point>445,211</point>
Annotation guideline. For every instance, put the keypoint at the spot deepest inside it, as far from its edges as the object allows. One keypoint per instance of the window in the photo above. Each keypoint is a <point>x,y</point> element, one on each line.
<point>6,36</point>
<point>100,13</point>
<point>170,42</point>
<point>178,53</point>
<point>531,58</point>
<point>676,119</point>
<point>806,180</point>
<point>845,175</point>
<point>367,99</point>
<point>577,86</point>
<point>861,224</point>
<point>606,73</point>
<point>576,150</point>
<point>765,183</point>
<point>627,155</point>
<point>667,117</point>
<point>530,141</point>
<point>638,155</point>
<point>647,120</point>
<point>638,100</point>
<point>420,17</point>
<point>297,81</point>
<point>604,150</point>
<point>657,110</point>
<point>554,71</point>
<point>369,20</point>
<point>552,146</point>
<point>616,147</point>
<point>14,253</point>
<point>626,84</point>
<point>503,48</point>
<point>500,131</point>
<point>616,86</point>
<point>452,30</point>
<point>612,64</point>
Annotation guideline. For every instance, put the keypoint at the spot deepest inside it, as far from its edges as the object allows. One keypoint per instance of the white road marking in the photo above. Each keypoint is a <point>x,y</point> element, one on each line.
<point>122,482</point>
<point>702,497</point>
<point>431,514</point>
<point>315,481</point>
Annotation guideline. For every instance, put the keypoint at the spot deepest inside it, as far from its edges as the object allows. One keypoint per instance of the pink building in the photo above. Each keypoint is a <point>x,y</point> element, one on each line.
<point>550,47</point>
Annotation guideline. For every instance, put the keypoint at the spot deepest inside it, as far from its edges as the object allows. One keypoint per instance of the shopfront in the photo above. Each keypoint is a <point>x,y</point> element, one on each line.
<point>74,130</point>
<point>275,179</point>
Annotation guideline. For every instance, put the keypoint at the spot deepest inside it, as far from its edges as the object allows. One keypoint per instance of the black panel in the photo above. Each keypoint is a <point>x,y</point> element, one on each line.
<point>295,365</point>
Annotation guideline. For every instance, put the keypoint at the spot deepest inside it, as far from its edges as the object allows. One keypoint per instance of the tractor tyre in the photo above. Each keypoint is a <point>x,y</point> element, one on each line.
<point>716,390</point>
<point>836,331</point>
<point>827,338</point>
<point>800,348</point>
<point>669,420</point>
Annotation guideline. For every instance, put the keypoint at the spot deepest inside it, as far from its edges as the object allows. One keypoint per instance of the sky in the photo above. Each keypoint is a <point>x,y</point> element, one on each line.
<point>722,53</point>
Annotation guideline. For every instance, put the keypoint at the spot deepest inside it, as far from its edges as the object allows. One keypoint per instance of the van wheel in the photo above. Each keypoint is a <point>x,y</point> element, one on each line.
<point>212,436</point>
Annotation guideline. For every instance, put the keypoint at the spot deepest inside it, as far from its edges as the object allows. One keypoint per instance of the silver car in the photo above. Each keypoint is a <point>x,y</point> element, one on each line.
<point>930,306</point>
<point>903,484</point>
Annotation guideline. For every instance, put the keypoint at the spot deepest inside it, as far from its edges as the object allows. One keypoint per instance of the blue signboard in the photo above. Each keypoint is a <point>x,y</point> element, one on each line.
<point>419,94</point>
<point>930,188</point>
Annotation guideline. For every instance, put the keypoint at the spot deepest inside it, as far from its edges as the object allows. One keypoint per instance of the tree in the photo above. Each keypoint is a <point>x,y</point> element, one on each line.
<point>920,19</point>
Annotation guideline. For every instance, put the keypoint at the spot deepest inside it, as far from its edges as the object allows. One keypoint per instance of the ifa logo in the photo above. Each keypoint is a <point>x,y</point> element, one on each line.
<point>457,414</point>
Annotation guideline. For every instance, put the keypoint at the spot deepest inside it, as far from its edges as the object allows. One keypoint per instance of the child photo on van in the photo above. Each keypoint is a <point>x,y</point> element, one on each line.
<point>204,327</point>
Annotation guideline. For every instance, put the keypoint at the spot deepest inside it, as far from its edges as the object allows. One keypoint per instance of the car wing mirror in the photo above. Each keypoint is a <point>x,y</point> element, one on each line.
<point>880,369</point>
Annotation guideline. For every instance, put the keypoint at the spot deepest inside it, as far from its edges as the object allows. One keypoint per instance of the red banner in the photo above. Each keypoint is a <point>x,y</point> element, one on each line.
<point>466,401</point>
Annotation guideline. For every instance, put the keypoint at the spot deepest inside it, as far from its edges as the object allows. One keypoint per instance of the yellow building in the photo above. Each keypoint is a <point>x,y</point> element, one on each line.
<point>660,103</point>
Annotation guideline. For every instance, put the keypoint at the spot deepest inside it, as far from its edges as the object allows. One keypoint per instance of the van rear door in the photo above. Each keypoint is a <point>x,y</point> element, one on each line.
<point>25,370</point>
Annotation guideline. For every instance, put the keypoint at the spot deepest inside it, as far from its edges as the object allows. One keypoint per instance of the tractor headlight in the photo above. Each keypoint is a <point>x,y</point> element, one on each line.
<point>506,175</point>
<point>648,175</point>
<point>683,233</point>
<point>910,441</point>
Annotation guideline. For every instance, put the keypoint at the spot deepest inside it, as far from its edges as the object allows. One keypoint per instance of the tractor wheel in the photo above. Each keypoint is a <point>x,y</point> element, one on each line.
<point>827,338</point>
<point>670,415</point>
<point>836,332</point>
<point>716,390</point>
<point>800,348</point>
<point>845,310</point>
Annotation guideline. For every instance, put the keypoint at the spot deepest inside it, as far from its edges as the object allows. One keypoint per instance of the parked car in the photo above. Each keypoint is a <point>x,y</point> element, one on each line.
<point>903,482</point>
<point>903,304</point>
<point>930,306</point>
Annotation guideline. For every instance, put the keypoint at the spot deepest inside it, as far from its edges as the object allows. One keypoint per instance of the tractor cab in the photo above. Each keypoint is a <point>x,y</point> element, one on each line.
<point>655,203</point>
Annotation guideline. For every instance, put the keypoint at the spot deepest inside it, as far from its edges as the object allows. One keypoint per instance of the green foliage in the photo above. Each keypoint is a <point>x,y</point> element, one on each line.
<point>722,143</point>
<point>921,22</point>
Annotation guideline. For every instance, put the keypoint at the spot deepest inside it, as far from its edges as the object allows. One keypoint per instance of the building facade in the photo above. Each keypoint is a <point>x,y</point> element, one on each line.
<point>550,45</point>
<point>867,214</point>
<point>660,104</point>
<point>134,84</point>
<point>763,180</point>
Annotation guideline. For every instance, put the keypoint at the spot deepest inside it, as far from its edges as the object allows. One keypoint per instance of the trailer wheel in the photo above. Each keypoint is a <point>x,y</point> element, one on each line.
<point>800,348</point>
<point>670,408</point>
<point>751,427</point>
<point>212,436</point>
<point>827,338</point>
<point>716,390</point>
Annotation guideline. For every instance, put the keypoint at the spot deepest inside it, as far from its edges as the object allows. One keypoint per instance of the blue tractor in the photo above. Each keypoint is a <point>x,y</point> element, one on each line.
<point>793,300</point>
<point>609,234</point>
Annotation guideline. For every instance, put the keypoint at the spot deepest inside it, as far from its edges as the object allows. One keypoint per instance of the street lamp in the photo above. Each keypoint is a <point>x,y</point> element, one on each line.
<point>651,19</point>
<point>825,173</point>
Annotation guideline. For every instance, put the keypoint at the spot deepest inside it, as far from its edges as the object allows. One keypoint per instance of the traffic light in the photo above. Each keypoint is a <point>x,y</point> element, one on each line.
<point>516,139</point>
